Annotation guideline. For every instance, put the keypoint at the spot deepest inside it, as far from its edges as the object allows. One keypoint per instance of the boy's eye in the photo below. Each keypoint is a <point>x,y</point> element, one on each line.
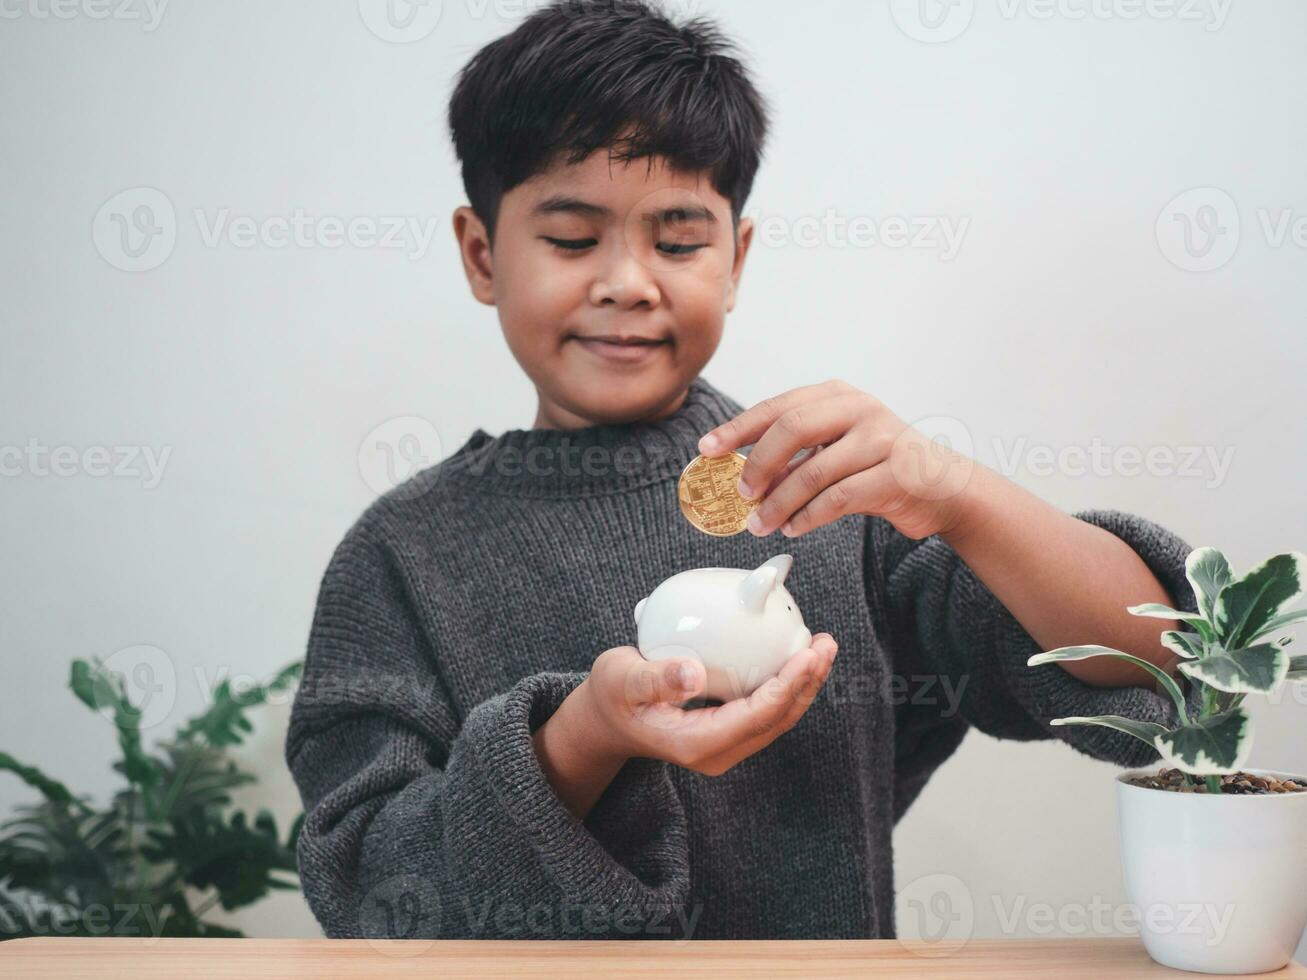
<point>676,248</point>
<point>570,244</point>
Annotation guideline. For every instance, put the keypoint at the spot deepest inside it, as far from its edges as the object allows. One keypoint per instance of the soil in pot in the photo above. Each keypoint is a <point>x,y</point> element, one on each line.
<point>1234,783</point>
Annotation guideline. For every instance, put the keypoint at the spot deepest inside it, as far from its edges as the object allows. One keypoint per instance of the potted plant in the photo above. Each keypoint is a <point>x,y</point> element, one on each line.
<point>1214,855</point>
<point>164,850</point>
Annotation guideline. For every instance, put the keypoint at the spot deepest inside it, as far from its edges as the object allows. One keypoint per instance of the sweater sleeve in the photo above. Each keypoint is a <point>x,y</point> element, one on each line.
<point>419,826</point>
<point>943,621</point>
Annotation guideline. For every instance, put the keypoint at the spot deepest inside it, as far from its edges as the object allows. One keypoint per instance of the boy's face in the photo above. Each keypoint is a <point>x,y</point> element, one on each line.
<point>612,282</point>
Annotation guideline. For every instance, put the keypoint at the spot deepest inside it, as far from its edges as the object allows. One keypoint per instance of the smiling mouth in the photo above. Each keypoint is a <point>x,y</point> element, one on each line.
<point>625,349</point>
<point>618,340</point>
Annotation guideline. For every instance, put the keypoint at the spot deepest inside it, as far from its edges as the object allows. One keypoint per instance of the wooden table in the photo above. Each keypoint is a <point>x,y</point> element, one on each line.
<point>325,959</point>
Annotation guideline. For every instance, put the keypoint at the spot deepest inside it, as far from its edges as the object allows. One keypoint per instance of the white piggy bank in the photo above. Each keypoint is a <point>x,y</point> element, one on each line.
<point>743,625</point>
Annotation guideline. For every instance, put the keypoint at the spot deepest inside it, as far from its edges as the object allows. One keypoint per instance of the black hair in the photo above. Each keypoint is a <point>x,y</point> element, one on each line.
<point>581,75</point>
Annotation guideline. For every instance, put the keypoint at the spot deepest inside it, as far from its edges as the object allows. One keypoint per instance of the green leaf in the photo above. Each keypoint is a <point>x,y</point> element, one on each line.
<point>100,690</point>
<point>53,790</point>
<point>1212,746</point>
<point>196,776</point>
<point>1187,645</point>
<point>76,859</point>
<point>1208,572</point>
<point>1092,650</point>
<point>1145,731</point>
<point>23,867</point>
<point>1282,621</point>
<point>235,858</point>
<point>58,855</point>
<point>1257,669</point>
<point>224,722</point>
<point>1247,605</point>
<point>207,930</point>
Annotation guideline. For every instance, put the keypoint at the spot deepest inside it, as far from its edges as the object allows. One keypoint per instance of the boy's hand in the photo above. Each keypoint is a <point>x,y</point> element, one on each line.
<point>635,707</point>
<point>861,459</point>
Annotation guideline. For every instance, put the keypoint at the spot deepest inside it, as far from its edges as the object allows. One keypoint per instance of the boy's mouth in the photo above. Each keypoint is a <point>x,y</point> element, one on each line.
<point>623,349</point>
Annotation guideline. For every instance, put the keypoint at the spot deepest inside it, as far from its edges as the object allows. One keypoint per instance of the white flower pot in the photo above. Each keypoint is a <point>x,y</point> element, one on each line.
<point>1218,883</point>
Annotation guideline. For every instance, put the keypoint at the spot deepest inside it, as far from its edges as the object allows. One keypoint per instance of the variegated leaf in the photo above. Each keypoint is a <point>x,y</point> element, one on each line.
<point>1247,605</point>
<point>1282,621</point>
<point>1145,731</point>
<point>1211,746</point>
<point>1092,650</point>
<point>1187,645</point>
<point>1158,611</point>
<point>1257,669</point>
<point>1208,572</point>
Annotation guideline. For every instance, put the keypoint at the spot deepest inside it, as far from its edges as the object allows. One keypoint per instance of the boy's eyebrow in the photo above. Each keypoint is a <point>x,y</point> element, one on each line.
<point>684,212</point>
<point>562,204</point>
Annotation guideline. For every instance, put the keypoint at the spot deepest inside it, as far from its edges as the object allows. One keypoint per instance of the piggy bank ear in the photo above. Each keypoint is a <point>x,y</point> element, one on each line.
<point>782,564</point>
<point>760,583</point>
<point>639,608</point>
<point>755,588</point>
<point>764,578</point>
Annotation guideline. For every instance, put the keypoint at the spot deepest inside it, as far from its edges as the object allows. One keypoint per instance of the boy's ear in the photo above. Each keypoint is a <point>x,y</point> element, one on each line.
<point>743,239</point>
<point>474,247</point>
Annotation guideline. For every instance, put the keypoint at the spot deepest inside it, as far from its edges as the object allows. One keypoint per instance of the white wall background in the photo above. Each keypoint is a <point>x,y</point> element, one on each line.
<point>1054,134</point>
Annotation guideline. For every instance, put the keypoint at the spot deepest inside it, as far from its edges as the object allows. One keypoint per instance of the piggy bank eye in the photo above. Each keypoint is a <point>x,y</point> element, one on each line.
<point>790,608</point>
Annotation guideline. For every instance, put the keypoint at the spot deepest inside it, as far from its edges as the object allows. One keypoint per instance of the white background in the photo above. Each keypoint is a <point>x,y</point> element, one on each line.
<point>1058,133</point>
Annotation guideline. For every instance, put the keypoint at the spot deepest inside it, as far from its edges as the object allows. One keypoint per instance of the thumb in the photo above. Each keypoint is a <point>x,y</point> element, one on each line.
<point>670,681</point>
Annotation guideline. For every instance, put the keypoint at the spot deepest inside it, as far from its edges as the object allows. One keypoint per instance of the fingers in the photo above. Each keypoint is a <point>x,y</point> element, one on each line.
<point>822,419</point>
<point>746,427</point>
<point>713,739</point>
<point>746,718</point>
<point>790,467</point>
<point>870,491</point>
<point>826,649</point>
<point>766,706</point>
<point>808,478</point>
<point>738,728</point>
<point>662,681</point>
<point>808,685</point>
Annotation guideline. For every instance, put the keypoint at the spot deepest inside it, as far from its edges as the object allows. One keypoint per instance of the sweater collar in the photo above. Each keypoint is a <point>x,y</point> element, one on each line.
<point>606,458</point>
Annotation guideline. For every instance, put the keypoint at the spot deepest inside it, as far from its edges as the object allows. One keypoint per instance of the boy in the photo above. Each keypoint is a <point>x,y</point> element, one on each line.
<point>481,752</point>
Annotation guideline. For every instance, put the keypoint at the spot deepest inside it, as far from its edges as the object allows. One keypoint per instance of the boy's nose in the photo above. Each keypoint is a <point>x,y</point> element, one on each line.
<point>626,283</point>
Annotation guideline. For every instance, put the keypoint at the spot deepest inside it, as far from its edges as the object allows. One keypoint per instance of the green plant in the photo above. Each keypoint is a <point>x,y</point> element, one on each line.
<point>68,868</point>
<point>1228,654</point>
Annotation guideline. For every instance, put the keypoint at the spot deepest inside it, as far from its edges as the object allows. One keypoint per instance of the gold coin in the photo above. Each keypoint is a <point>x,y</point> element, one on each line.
<point>709,494</point>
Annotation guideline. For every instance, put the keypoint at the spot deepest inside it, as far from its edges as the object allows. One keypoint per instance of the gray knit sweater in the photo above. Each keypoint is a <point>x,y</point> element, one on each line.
<point>464,606</point>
